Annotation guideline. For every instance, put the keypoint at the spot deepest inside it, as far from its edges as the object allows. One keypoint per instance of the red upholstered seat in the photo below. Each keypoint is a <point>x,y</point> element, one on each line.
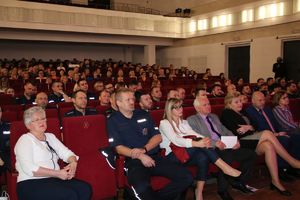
<point>188,102</point>
<point>10,116</point>
<point>6,99</point>
<point>216,101</point>
<point>85,135</point>
<point>295,109</point>
<point>188,111</point>
<point>102,109</point>
<point>157,116</point>
<point>217,109</point>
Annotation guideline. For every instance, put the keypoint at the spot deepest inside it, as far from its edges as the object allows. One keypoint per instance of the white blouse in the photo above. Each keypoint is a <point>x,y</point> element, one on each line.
<point>32,153</point>
<point>169,135</point>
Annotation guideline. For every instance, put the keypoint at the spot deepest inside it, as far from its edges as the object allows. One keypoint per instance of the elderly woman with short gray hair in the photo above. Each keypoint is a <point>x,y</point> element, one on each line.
<point>37,153</point>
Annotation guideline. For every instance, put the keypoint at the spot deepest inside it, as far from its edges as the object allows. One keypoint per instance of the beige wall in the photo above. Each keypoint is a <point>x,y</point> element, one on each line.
<point>52,50</point>
<point>264,49</point>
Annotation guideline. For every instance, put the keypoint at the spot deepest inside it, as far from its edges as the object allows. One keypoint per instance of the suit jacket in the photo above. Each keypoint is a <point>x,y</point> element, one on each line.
<point>232,120</point>
<point>199,126</point>
<point>258,120</point>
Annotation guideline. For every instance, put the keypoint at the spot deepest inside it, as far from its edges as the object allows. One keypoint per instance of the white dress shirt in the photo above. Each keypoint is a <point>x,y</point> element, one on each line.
<point>169,135</point>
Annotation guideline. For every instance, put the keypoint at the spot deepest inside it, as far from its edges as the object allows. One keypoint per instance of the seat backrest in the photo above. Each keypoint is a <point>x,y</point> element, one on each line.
<point>188,111</point>
<point>10,116</point>
<point>217,109</point>
<point>157,116</point>
<point>18,128</point>
<point>102,109</point>
<point>216,101</point>
<point>6,99</point>
<point>85,134</point>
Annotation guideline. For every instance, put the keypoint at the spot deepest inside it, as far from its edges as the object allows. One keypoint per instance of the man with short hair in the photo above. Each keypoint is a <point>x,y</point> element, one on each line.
<point>231,89</point>
<point>58,94</point>
<point>84,86</point>
<point>181,92</point>
<point>209,125</point>
<point>28,96</point>
<point>172,94</point>
<point>291,90</point>
<point>79,99</point>
<point>134,135</point>
<point>246,90</point>
<point>133,85</point>
<point>216,91</point>
<point>98,86</point>
<point>104,98</point>
<point>41,100</point>
<point>109,87</point>
<point>156,94</point>
<point>145,101</point>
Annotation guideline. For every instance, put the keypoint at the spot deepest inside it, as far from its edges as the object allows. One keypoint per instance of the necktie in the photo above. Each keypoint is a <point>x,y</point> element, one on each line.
<point>268,120</point>
<point>217,135</point>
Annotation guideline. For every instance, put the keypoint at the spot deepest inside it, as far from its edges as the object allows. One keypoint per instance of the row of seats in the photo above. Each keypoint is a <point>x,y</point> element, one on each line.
<point>15,112</point>
<point>85,135</point>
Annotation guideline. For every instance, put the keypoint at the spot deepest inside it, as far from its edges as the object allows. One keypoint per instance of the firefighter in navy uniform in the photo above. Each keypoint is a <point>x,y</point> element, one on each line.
<point>79,99</point>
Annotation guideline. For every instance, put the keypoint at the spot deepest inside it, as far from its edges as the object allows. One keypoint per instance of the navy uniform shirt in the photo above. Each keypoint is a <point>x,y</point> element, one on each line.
<point>55,98</point>
<point>22,100</point>
<point>132,133</point>
<point>4,136</point>
<point>91,96</point>
<point>76,113</point>
<point>4,146</point>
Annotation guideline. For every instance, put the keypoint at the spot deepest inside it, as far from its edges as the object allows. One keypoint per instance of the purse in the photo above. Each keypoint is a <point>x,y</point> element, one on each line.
<point>180,152</point>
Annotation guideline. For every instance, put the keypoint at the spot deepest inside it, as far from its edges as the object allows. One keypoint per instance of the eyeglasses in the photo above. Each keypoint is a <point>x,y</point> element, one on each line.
<point>39,120</point>
<point>176,107</point>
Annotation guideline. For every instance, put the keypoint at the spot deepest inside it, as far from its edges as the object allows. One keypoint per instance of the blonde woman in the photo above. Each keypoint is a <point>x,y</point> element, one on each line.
<point>264,142</point>
<point>174,129</point>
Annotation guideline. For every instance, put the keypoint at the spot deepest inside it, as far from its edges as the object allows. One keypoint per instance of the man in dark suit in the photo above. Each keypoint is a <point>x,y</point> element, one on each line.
<point>209,125</point>
<point>262,118</point>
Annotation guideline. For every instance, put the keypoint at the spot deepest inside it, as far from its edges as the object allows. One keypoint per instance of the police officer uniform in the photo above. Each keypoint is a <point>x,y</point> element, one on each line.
<point>91,96</point>
<point>4,145</point>
<point>76,113</point>
<point>55,98</point>
<point>135,132</point>
<point>22,100</point>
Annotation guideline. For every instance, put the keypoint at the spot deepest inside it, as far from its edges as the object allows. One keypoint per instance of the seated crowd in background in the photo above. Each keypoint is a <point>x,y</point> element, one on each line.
<point>81,82</point>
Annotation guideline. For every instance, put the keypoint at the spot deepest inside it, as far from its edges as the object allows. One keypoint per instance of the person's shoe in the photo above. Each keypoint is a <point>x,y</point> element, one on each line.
<point>283,176</point>
<point>282,192</point>
<point>225,196</point>
<point>241,187</point>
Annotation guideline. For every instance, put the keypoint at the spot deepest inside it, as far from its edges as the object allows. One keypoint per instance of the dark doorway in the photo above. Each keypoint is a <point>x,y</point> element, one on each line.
<point>239,63</point>
<point>291,57</point>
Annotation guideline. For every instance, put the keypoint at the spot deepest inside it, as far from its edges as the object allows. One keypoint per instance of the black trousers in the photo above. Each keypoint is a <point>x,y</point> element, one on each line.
<point>246,158</point>
<point>139,178</point>
<point>200,157</point>
<point>53,189</point>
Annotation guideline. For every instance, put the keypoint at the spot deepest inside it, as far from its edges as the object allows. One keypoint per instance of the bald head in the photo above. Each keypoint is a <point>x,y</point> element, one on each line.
<point>258,100</point>
<point>41,100</point>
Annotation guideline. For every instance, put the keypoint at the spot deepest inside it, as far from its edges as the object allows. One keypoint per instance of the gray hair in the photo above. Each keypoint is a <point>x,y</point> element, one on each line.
<point>29,113</point>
